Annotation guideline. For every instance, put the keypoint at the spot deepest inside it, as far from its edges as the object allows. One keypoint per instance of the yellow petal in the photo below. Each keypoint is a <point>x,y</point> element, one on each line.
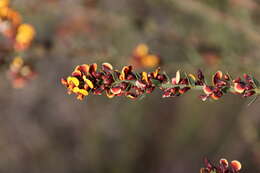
<point>83,92</point>
<point>109,94</point>
<point>75,90</point>
<point>73,80</point>
<point>18,61</point>
<point>4,3</point>
<point>122,75</point>
<point>192,77</point>
<point>25,33</point>
<point>88,82</point>
<point>141,50</point>
<point>157,71</point>
<point>150,61</point>
<point>107,65</point>
<point>131,96</point>
<point>144,76</point>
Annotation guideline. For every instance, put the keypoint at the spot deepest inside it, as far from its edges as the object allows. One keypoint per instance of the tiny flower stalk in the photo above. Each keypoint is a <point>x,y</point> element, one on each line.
<point>88,79</point>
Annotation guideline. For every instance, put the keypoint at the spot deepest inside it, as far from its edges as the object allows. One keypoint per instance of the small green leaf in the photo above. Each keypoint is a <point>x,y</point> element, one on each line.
<point>156,82</point>
<point>114,76</point>
<point>137,75</point>
<point>167,77</point>
<point>225,90</point>
<point>190,80</point>
<point>230,77</point>
<point>128,87</point>
<point>256,82</point>
<point>142,97</point>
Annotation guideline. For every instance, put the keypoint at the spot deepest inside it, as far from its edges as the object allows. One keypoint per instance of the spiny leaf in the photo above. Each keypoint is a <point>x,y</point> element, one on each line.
<point>142,97</point>
<point>253,100</point>
<point>137,75</point>
<point>230,77</point>
<point>190,80</point>
<point>155,82</point>
<point>167,77</point>
<point>256,82</point>
<point>114,76</point>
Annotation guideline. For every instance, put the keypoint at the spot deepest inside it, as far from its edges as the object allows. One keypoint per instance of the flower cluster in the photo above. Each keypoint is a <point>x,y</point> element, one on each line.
<point>223,82</point>
<point>11,26</point>
<point>9,19</point>
<point>86,79</point>
<point>20,73</point>
<point>19,37</point>
<point>24,37</point>
<point>223,167</point>
<point>142,58</point>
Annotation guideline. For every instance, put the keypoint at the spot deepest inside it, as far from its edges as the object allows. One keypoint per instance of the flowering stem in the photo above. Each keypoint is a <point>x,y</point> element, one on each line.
<point>86,79</point>
<point>231,89</point>
<point>170,85</point>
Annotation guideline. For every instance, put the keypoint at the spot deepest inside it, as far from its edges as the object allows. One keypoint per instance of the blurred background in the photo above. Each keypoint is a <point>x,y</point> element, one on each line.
<point>42,129</point>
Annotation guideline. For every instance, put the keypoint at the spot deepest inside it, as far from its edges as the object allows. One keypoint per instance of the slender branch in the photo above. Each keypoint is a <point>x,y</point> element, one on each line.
<point>86,79</point>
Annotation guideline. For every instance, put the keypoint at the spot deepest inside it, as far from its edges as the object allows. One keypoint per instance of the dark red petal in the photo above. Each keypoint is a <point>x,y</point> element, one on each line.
<point>207,89</point>
<point>216,77</point>
<point>224,163</point>
<point>249,93</point>
<point>116,90</point>
<point>107,67</point>
<point>236,165</point>
<point>184,90</point>
<point>200,75</point>
<point>239,87</point>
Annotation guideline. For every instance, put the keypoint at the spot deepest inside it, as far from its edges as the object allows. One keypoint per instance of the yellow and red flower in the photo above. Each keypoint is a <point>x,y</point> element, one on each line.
<point>11,26</point>
<point>19,37</point>
<point>87,79</point>
<point>4,3</point>
<point>20,73</point>
<point>25,35</point>
<point>234,167</point>
<point>143,59</point>
<point>9,21</point>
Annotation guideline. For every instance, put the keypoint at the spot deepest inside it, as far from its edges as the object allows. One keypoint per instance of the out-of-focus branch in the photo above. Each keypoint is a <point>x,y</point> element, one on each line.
<point>249,4</point>
<point>195,7</point>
